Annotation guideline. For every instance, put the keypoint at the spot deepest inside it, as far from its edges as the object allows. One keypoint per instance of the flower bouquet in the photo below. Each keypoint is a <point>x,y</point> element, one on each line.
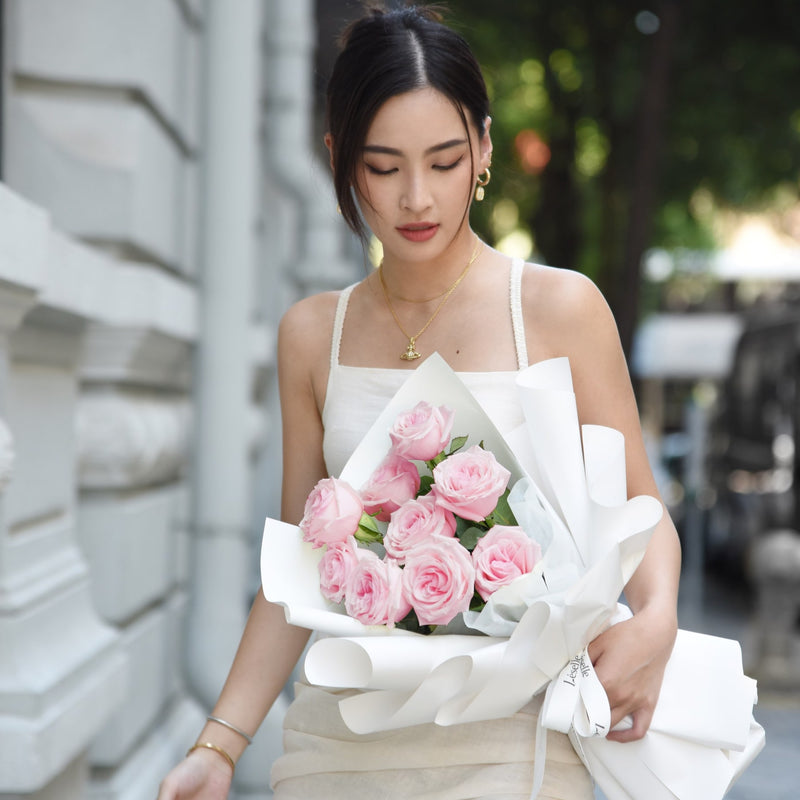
<point>568,495</point>
<point>437,534</point>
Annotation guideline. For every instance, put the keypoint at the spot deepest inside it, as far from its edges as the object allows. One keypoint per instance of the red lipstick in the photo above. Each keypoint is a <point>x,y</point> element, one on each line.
<point>418,231</point>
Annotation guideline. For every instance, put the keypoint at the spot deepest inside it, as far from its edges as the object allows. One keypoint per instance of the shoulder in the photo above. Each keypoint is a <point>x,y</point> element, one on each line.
<point>308,324</point>
<point>310,311</point>
<point>304,337</point>
<point>565,308</point>
<point>563,291</point>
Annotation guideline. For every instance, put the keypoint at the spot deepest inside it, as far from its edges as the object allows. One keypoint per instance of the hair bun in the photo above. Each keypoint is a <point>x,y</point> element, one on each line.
<point>434,12</point>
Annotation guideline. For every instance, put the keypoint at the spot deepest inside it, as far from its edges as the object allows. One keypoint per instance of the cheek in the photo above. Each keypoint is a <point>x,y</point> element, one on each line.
<point>370,195</point>
<point>461,185</point>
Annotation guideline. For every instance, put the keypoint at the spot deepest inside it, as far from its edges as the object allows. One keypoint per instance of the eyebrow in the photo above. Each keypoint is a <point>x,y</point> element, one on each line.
<point>392,151</point>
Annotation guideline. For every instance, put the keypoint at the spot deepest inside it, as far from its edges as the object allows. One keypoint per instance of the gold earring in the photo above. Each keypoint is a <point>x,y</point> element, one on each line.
<point>479,192</point>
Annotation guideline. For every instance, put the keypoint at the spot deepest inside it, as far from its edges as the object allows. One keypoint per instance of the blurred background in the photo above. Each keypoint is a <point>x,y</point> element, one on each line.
<point>165,196</point>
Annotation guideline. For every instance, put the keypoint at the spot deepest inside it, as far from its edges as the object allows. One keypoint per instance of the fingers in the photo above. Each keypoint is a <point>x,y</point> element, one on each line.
<point>632,694</point>
<point>641,723</point>
<point>596,647</point>
<point>632,708</point>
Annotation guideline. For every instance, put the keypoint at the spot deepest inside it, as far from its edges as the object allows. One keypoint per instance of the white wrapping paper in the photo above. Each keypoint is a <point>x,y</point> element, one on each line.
<point>571,495</point>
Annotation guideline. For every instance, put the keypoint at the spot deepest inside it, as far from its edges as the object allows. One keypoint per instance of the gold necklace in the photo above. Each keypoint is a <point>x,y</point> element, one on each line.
<point>411,352</point>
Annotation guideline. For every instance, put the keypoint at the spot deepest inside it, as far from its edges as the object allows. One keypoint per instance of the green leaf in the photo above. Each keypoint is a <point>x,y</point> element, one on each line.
<point>411,623</point>
<point>367,535</point>
<point>469,538</point>
<point>462,525</point>
<point>425,483</point>
<point>477,603</point>
<point>437,459</point>
<point>368,531</point>
<point>457,443</point>
<point>502,515</point>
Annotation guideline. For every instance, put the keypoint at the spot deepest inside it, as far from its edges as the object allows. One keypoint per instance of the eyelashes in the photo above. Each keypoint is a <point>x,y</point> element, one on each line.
<point>376,171</point>
<point>438,167</point>
<point>446,167</point>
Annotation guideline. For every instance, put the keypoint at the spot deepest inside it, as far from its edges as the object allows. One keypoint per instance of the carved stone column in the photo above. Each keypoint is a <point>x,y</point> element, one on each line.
<point>62,672</point>
<point>133,426</point>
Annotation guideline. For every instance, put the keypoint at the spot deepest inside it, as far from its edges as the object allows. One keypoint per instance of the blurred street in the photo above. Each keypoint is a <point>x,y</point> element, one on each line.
<point>775,773</point>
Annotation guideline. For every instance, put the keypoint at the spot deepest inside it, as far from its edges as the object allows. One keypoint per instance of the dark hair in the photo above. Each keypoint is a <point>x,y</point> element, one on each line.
<point>384,54</point>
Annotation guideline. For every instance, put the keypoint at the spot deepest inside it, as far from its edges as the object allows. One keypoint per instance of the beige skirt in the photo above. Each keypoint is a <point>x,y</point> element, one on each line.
<point>491,760</point>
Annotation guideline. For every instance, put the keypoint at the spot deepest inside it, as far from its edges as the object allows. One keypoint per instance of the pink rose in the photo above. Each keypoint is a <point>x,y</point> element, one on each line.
<point>438,580</point>
<point>503,554</point>
<point>469,483</point>
<point>423,432</point>
<point>335,567</point>
<point>395,481</point>
<point>332,512</point>
<point>414,523</point>
<point>374,592</point>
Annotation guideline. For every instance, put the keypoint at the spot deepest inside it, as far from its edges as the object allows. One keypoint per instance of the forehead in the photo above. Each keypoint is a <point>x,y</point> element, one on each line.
<point>423,117</point>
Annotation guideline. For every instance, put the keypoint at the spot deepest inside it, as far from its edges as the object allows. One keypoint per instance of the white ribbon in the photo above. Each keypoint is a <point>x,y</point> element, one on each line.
<point>575,700</point>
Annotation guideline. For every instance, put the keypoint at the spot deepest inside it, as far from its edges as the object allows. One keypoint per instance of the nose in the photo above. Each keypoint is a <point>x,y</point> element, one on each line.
<point>416,195</point>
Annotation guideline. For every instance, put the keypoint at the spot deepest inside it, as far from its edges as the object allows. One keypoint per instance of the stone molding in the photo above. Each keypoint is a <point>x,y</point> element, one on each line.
<point>138,777</point>
<point>125,182</point>
<point>39,266</point>
<point>130,440</point>
<point>148,48</point>
<point>145,644</point>
<point>97,287</point>
<point>6,455</point>
<point>137,356</point>
<point>130,540</point>
<point>23,240</point>
<point>62,671</point>
<point>23,237</point>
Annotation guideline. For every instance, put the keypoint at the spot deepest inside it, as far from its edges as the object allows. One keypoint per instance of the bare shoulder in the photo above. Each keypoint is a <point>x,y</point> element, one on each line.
<point>306,326</point>
<point>565,309</point>
<point>563,292</point>
<point>304,340</point>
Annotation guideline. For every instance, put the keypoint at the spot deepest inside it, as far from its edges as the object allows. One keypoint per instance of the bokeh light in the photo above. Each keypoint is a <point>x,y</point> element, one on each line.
<point>532,150</point>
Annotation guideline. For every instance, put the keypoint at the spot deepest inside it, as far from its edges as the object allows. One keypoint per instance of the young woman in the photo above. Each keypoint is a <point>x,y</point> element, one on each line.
<point>409,140</point>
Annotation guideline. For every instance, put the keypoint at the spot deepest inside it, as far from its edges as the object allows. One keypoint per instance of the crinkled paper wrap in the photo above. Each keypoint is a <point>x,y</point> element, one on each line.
<point>570,492</point>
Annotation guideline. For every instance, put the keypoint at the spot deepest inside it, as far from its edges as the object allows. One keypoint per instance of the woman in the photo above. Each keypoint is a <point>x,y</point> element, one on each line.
<point>410,146</point>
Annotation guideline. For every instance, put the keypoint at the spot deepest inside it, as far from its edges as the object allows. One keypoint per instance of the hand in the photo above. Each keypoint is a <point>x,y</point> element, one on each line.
<point>629,659</point>
<point>203,775</point>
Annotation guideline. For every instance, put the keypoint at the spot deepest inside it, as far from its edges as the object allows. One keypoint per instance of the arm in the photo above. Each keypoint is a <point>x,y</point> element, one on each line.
<point>630,657</point>
<point>270,647</point>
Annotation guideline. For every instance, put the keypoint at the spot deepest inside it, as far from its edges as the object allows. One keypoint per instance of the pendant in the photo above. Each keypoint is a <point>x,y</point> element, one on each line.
<point>410,354</point>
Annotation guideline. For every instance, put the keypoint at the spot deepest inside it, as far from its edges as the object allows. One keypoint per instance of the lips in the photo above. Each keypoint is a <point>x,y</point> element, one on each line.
<point>418,231</point>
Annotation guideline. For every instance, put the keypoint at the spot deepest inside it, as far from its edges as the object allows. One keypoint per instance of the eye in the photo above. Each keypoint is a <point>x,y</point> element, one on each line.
<point>452,165</point>
<point>377,171</point>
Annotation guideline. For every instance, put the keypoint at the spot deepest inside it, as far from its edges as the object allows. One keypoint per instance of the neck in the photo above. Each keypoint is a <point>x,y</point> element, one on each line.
<point>425,281</point>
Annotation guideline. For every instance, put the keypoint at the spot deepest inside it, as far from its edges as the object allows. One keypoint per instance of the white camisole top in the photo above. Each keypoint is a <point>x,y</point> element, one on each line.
<point>355,396</point>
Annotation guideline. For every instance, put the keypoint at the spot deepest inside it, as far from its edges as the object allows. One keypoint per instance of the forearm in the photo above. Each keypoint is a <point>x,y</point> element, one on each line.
<point>267,653</point>
<point>653,588</point>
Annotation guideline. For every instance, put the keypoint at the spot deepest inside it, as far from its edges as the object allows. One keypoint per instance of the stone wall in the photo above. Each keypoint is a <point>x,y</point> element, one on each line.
<point>94,533</point>
<point>160,206</point>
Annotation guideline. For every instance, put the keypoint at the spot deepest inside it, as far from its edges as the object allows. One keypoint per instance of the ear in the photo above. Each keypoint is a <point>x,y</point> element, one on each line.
<point>486,146</point>
<point>329,145</point>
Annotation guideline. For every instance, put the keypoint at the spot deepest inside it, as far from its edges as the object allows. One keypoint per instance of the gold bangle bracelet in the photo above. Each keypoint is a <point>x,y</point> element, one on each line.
<point>216,748</point>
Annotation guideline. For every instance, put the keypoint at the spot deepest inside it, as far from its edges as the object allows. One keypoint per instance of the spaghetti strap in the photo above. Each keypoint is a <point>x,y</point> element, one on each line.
<point>338,324</point>
<point>517,321</point>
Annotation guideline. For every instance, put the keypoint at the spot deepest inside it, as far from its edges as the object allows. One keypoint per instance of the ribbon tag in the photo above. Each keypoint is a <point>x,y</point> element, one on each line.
<point>574,700</point>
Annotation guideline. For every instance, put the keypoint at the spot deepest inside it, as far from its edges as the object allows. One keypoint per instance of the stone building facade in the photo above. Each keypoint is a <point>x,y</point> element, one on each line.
<point>161,204</point>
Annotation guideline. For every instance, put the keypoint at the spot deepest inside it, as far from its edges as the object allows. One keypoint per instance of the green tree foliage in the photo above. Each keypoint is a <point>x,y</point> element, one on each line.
<point>636,107</point>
